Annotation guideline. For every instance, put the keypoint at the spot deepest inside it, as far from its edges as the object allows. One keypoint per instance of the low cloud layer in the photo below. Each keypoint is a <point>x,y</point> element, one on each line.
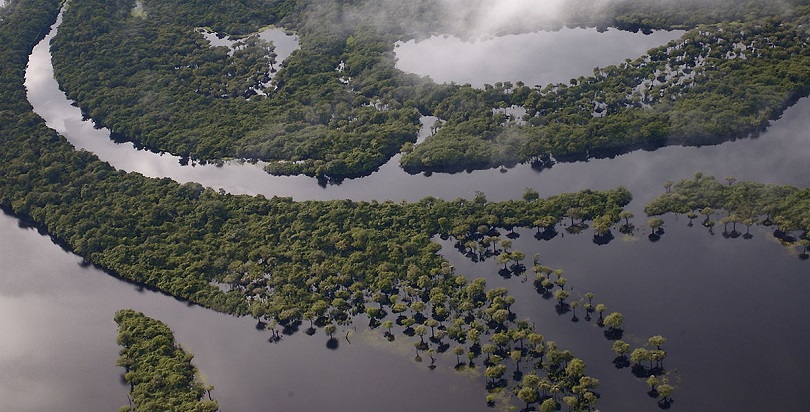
<point>506,16</point>
<point>472,17</point>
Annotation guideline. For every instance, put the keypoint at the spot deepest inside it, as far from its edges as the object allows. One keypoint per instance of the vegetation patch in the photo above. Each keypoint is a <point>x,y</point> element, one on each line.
<point>158,370</point>
<point>784,208</point>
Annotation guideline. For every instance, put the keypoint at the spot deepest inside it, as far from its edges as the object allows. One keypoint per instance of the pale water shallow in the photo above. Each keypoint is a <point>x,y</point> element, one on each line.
<point>541,58</point>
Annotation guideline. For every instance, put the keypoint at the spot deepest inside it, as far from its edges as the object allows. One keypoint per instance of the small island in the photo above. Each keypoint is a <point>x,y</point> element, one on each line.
<point>158,370</point>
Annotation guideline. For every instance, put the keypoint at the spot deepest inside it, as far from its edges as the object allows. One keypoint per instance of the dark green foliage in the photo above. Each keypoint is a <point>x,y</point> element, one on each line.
<point>716,83</point>
<point>183,239</point>
<point>155,81</point>
<point>159,372</point>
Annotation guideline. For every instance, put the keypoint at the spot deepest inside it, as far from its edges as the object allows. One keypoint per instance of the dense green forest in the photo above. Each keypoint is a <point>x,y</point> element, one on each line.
<point>339,107</point>
<point>158,370</point>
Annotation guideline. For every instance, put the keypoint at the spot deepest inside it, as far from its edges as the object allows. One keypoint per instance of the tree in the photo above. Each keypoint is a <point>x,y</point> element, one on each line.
<point>504,258</point>
<point>571,401</point>
<point>640,355</point>
<point>536,340</point>
<point>657,341</point>
<point>601,308</point>
<point>528,394</point>
<point>506,244</point>
<point>655,224</point>
<point>575,369</point>
<point>621,347</point>
<point>707,212</point>
<point>548,405</point>
<point>489,349</point>
<point>517,256</point>
<point>530,195</point>
<point>665,390</point>
<point>495,372</point>
<point>516,356</point>
<point>658,356</point>
<point>421,331</point>
<point>614,320</point>
<point>561,295</point>
<point>458,351</point>
<point>652,382</point>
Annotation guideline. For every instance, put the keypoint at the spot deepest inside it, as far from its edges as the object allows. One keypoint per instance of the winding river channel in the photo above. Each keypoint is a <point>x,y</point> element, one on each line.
<point>734,310</point>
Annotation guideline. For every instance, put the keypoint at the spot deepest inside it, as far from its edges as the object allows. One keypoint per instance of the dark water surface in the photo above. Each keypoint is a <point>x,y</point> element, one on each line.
<point>733,310</point>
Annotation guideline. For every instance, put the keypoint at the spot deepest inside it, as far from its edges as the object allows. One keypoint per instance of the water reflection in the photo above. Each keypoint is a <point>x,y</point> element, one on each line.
<point>536,58</point>
<point>56,317</point>
<point>284,43</point>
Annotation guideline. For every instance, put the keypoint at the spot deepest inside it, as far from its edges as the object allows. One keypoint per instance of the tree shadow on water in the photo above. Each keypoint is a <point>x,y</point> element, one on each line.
<point>641,371</point>
<point>562,308</point>
<point>332,343</point>
<point>505,273</point>
<point>665,403</point>
<point>603,239</point>
<point>548,234</point>
<point>621,362</point>
<point>613,334</point>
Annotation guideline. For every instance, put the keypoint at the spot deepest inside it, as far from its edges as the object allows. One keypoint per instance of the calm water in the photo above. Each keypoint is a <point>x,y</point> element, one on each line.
<point>732,309</point>
<point>536,59</point>
<point>58,350</point>
<point>284,44</point>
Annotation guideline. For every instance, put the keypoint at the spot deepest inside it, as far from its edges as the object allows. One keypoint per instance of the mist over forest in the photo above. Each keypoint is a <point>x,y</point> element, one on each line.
<point>475,18</point>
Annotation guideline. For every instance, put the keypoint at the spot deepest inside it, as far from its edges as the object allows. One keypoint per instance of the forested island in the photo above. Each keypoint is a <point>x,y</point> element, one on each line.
<point>158,370</point>
<point>785,208</point>
<point>339,108</point>
<point>326,264</point>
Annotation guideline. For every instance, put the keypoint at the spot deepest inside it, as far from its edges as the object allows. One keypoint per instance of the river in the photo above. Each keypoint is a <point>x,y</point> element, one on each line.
<point>733,310</point>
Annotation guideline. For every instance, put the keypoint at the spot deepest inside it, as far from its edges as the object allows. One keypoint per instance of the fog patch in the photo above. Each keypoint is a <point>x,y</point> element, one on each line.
<point>464,18</point>
<point>535,58</point>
